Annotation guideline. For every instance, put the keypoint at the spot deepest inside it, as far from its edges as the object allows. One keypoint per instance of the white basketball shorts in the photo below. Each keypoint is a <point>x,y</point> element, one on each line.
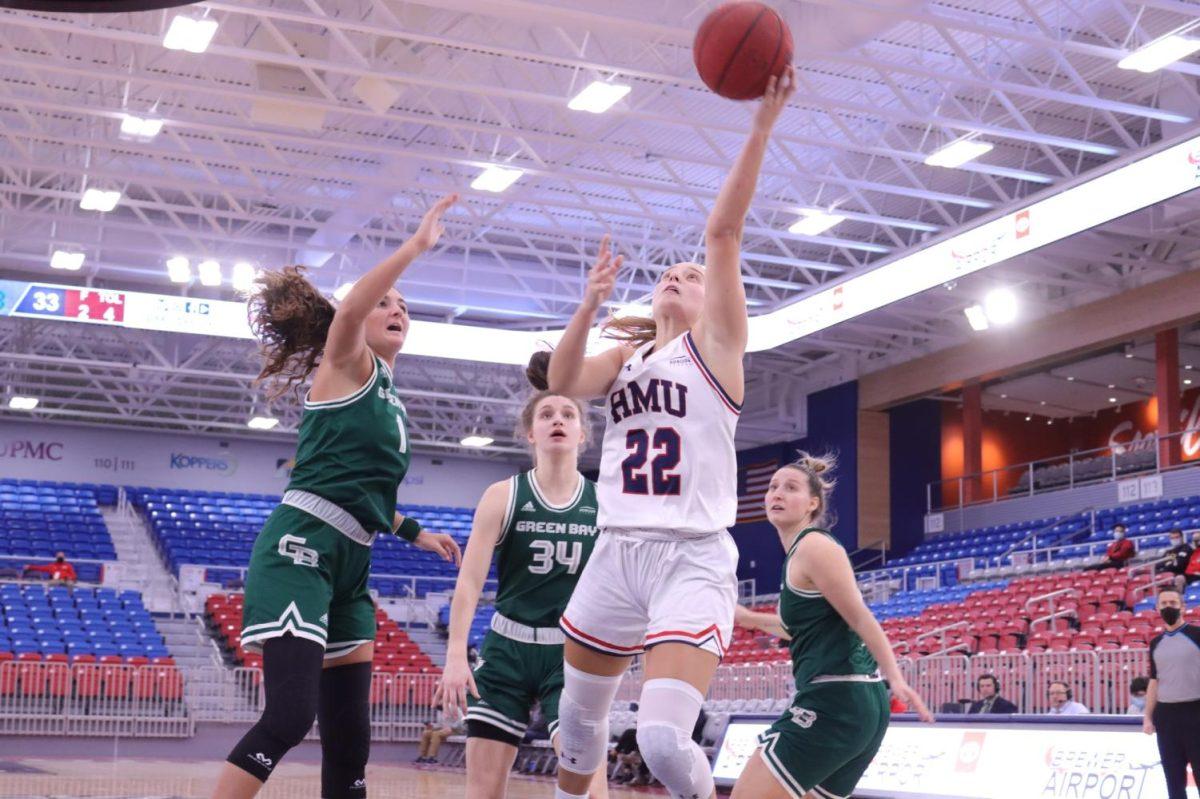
<point>637,592</point>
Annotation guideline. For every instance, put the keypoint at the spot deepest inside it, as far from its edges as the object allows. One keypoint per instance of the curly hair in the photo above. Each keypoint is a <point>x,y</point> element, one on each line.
<point>291,319</point>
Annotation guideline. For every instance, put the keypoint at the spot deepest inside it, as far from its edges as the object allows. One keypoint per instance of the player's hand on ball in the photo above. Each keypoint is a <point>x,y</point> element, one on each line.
<point>779,90</point>
<point>911,698</point>
<point>431,227</point>
<point>602,277</point>
<point>441,545</point>
<point>457,680</point>
<point>1148,726</point>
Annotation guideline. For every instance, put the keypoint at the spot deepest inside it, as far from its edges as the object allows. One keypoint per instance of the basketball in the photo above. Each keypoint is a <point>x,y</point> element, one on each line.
<point>739,46</point>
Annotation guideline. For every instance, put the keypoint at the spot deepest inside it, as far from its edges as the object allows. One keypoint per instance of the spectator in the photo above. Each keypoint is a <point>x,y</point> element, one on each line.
<point>1062,703</point>
<point>1175,560</point>
<point>990,700</point>
<point>61,572</point>
<point>433,735</point>
<point>1119,552</point>
<point>1191,573</point>
<point>1137,696</point>
<point>1173,697</point>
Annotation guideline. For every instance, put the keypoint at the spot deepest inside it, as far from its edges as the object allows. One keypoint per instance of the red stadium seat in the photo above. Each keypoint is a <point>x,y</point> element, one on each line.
<point>33,679</point>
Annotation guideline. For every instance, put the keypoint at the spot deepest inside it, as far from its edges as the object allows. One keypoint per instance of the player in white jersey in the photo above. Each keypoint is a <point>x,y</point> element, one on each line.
<point>662,578</point>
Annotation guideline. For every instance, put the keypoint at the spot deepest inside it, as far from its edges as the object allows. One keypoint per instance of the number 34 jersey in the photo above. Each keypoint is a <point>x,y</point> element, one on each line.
<point>542,550</point>
<point>668,465</point>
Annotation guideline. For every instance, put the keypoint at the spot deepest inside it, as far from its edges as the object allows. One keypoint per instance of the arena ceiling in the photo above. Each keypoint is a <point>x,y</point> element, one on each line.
<point>317,131</point>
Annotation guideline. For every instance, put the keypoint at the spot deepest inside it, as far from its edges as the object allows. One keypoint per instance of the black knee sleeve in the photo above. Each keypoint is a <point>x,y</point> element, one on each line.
<point>291,682</point>
<point>344,719</point>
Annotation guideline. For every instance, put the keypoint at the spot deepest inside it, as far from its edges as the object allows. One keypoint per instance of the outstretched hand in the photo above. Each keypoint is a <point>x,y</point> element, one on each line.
<point>602,277</point>
<point>431,227</point>
<point>779,90</point>
<point>440,544</point>
<point>904,692</point>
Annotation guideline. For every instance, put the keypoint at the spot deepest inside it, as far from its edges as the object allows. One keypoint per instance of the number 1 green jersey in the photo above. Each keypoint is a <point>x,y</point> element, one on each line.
<point>353,451</point>
<point>542,550</point>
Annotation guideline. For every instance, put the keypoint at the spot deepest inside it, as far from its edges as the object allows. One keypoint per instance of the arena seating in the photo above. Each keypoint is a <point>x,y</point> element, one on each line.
<point>218,529</point>
<point>394,650</point>
<point>1084,470</point>
<point>59,624</point>
<point>39,518</point>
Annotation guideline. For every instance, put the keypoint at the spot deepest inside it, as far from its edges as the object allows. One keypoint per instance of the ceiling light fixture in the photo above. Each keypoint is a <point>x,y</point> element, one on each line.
<point>1160,53</point>
<point>243,276</point>
<point>99,200</point>
<point>496,178</point>
<point>66,259</point>
<point>190,34</point>
<point>210,273</point>
<point>145,128</point>
<point>957,153</point>
<point>976,317</point>
<point>1112,399</point>
<point>476,441</point>
<point>1001,306</point>
<point>814,222</point>
<point>262,422</point>
<point>23,403</point>
<point>179,269</point>
<point>598,96</point>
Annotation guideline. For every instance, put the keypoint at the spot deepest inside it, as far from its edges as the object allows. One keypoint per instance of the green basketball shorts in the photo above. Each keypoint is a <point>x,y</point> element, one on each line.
<point>309,580</point>
<point>824,742</point>
<point>511,676</point>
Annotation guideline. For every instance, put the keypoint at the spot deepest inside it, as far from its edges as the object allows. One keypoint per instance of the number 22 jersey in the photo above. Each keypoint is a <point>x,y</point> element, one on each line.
<point>668,465</point>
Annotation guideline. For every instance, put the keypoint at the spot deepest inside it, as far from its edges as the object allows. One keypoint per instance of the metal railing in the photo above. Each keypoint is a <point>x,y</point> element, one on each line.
<point>1054,613</point>
<point>116,700</point>
<point>1152,453</point>
<point>1036,533</point>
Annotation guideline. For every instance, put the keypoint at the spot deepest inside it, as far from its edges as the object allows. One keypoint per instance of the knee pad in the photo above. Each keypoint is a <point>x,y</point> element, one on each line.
<point>583,719</point>
<point>291,681</point>
<point>667,714</point>
<point>344,720</point>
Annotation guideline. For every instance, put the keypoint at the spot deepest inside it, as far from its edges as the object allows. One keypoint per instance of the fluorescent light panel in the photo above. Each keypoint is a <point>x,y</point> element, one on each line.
<point>179,270</point>
<point>262,423</point>
<point>67,260</point>
<point>496,178</point>
<point>190,34</point>
<point>243,276</point>
<point>23,403</point>
<point>99,200</point>
<point>210,273</point>
<point>1159,54</point>
<point>598,96</point>
<point>976,317</point>
<point>957,153</point>
<point>476,441</point>
<point>814,223</point>
<point>140,127</point>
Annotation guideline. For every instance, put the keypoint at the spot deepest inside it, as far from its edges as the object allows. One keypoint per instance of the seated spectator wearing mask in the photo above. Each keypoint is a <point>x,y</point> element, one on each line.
<point>1118,554</point>
<point>1191,573</point>
<point>1137,696</point>
<point>61,572</point>
<point>1061,703</point>
<point>990,700</point>
<point>1175,560</point>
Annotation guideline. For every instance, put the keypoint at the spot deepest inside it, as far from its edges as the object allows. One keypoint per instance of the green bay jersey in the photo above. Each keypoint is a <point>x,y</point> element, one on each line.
<point>353,451</point>
<point>542,550</point>
<point>822,645</point>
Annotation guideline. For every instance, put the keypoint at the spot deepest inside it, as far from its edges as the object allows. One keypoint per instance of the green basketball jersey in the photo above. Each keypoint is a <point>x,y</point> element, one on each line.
<point>822,643</point>
<point>353,451</point>
<point>542,550</point>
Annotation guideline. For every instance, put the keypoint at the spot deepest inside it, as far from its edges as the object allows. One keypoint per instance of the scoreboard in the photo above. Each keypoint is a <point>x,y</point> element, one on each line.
<point>133,309</point>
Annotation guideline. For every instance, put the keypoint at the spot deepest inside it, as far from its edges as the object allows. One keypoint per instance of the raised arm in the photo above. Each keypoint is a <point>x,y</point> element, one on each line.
<point>824,563</point>
<point>570,373</point>
<point>346,346</point>
<point>485,532</point>
<point>722,328</point>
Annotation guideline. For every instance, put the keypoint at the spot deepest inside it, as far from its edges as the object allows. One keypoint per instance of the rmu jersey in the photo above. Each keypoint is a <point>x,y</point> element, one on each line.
<point>668,463</point>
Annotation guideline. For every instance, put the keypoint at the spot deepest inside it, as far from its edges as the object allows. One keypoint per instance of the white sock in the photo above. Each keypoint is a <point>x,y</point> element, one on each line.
<point>559,793</point>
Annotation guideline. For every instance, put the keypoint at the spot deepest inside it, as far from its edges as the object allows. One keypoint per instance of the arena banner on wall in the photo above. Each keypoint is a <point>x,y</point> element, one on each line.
<point>990,761</point>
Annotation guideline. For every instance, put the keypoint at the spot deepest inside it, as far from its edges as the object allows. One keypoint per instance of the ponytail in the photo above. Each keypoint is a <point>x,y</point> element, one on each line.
<point>291,320</point>
<point>632,330</point>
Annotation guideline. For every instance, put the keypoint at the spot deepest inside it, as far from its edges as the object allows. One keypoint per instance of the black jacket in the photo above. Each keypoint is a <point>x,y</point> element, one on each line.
<point>1000,705</point>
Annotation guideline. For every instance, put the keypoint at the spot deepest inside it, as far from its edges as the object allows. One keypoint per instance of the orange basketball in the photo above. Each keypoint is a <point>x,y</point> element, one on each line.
<point>739,46</point>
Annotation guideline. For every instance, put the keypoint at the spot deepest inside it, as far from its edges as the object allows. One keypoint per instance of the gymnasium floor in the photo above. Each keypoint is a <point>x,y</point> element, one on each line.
<point>164,779</point>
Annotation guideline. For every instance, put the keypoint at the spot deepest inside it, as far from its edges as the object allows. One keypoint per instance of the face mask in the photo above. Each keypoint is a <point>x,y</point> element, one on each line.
<point>1169,615</point>
<point>1176,542</point>
<point>1118,536</point>
<point>60,560</point>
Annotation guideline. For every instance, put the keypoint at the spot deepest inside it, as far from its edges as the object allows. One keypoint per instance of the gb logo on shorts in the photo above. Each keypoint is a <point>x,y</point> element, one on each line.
<point>803,716</point>
<point>290,547</point>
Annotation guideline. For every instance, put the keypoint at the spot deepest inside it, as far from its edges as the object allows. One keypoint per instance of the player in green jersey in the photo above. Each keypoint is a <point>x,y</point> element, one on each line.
<point>823,743</point>
<point>541,526</point>
<point>307,606</point>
